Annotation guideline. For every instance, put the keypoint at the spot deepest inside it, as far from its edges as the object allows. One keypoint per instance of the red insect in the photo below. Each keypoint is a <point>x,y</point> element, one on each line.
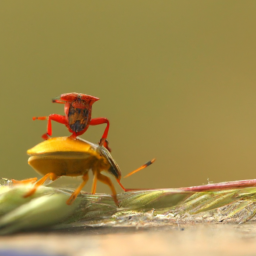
<point>77,118</point>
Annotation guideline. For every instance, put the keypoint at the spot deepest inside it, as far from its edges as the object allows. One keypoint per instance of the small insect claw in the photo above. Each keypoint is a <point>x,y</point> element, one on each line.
<point>45,136</point>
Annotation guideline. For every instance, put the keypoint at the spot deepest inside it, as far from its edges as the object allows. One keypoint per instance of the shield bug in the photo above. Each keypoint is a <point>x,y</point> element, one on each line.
<point>63,156</point>
<point>77,118</point>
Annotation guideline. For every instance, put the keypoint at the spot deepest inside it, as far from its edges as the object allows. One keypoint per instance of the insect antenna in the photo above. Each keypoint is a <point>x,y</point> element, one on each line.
<point>142,167</point>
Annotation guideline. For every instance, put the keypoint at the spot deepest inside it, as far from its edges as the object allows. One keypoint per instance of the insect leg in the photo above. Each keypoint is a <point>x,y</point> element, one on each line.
<point>77,191</point>
<point>26,181</point>
<point>39,118</point>
<point>104,179</point>
<point>121,185</point>
<point>52,117</point>
<point>94,184</point>
<point>52,176</point>
<point>102,120</point>
<point>56,118</point>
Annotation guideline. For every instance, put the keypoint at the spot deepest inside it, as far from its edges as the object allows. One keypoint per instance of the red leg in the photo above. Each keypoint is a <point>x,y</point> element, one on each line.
<point>102,120</point>
<point>52,117</point>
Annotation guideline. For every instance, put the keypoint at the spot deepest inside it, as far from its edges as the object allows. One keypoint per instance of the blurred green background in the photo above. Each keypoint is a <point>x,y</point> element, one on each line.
<point>176,79</point>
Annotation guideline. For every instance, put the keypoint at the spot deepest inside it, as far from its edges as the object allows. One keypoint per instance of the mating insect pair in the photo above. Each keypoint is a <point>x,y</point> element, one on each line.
<point>63,156</point>
<point>72,156</point>
<point>77,118</point>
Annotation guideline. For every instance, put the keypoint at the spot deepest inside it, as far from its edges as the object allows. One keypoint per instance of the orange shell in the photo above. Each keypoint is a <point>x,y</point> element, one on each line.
<point>69,157</point>
<point>63,144</point>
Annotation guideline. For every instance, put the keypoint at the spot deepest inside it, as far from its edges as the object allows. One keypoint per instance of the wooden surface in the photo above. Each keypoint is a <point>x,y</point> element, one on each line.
<point>196,239</point>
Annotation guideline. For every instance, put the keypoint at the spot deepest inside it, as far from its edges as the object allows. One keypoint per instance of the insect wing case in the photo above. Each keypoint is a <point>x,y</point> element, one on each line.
<point>66,156</point>
<point>114,168</point>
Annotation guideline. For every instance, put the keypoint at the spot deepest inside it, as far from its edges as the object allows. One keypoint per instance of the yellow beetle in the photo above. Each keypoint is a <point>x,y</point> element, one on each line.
<point>64,156</point>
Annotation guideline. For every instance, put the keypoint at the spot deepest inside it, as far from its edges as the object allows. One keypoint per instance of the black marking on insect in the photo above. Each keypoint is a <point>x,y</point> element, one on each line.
<point>78,118</point>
